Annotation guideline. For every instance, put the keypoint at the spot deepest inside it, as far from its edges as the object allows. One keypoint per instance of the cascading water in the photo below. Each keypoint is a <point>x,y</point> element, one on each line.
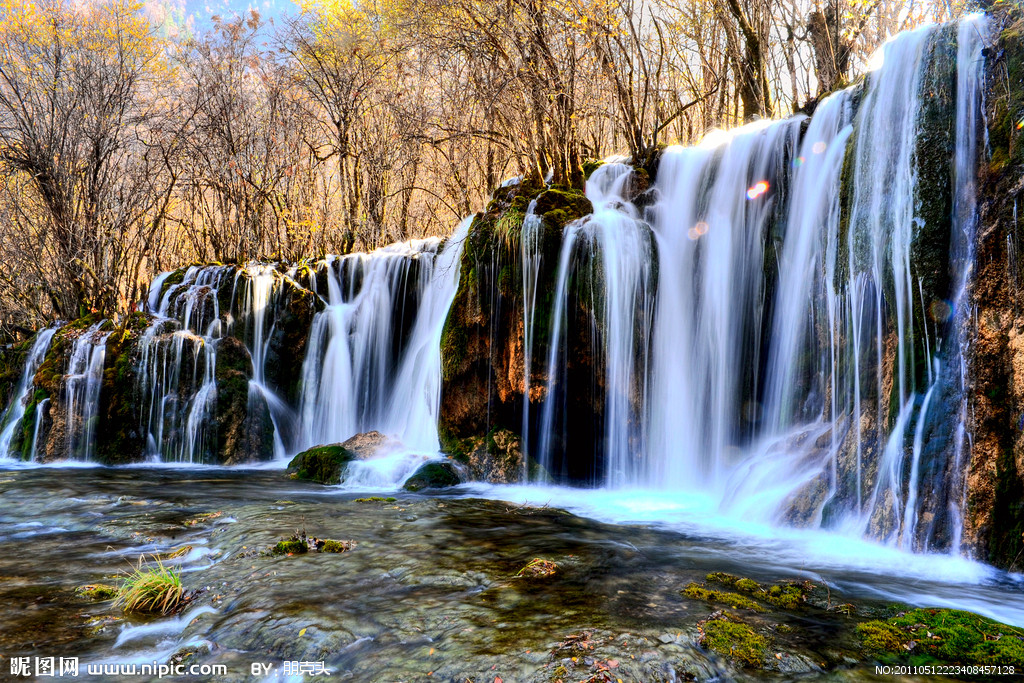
<point>10,421</point>
<point>609,258</point>
<point>374,358</point>
<point>82,385</point>
<point>804,352</point>
<point>177,366</point>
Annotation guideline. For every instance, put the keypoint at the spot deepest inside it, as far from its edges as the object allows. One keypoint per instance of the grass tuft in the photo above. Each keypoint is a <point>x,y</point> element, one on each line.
<point>153,589</point>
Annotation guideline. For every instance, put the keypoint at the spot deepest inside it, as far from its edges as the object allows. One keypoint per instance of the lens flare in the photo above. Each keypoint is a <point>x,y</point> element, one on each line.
<point>819,148</point>
<point>696,231</point>
<point>757,190</point>
<point>940,311</point>
<point>1020,124</point>
<point>798,162</point>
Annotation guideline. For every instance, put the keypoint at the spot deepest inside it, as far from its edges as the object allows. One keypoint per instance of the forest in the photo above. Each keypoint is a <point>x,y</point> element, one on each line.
<point>128,148</point>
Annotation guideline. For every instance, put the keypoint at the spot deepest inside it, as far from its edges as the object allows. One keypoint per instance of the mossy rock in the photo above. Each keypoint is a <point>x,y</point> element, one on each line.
<point>559,207</point>
<point>292,546</point>
<point>97,592</point>
<point>695,591</point>
<point>945,635</point>
<point>735,641</point>
<point>321,464</point>
<point>433,475</point>
<point>789,595</point>
<point>332,546</point>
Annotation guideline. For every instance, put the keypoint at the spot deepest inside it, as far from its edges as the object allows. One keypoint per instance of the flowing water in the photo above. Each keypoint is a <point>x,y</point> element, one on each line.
<point>10,421</point>
<point>430,590</point>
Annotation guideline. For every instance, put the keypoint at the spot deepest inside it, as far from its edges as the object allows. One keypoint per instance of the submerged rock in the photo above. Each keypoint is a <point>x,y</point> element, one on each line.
<point>321,464</point>
<point>433,475</point>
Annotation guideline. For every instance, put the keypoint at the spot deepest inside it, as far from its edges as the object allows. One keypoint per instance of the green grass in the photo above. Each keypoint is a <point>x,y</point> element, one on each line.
<point>151,589</point>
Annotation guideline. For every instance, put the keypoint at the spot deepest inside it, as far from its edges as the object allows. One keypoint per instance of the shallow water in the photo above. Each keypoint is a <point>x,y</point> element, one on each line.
<point>429,591</point>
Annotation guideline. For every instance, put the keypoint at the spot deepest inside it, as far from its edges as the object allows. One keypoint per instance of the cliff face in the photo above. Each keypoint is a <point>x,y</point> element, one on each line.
<point>994,524</point>
<point>169,384</point>
<point>482,347</point>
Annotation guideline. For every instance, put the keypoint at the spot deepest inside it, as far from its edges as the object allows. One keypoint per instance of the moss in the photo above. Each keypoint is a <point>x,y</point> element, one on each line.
<point>735,641</point>
<point>375,499</point>
<point>433,475</point>
<point>785,595</point>
<point>722,578</point>
<point>879,637</point>
<point>321,464</point>
<point>332,546</point>
<point>293,546</point>
<point>172,280</point>
<point>97,592</point>
<point>695,591</point>
<point>559,207</point>
<point>945,635</point>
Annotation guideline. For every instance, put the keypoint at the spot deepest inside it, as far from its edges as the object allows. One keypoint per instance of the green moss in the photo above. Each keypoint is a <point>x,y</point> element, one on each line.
<point>722,578</point>
<point>293,546</point>
<point>945,635</point>
<point>375,499</point>
<point>785,595</point>
<point>321,464</point>
<point>879,637</point>
<point>331,546</point>
<point>589,166</point>
<point>97,592</point>
<point>433,475</point>
<point>735,600</point>
<point>735,641</point>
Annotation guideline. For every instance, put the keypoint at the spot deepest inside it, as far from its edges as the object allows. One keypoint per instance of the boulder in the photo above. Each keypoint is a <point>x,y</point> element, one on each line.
<point>368,444</point>
<point>433,475</point>
<point>321,464</point>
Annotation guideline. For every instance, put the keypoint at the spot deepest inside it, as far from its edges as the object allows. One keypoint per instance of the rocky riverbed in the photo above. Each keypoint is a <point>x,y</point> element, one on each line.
<point>430,587</point>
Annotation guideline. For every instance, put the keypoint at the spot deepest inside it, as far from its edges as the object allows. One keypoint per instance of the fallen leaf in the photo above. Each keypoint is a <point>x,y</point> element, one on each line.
<point>302,633</point>
<point>612,663</point>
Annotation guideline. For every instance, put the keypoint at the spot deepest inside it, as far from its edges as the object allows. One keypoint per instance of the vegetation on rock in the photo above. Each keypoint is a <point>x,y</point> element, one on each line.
<point>321,464</point>
<point>736,641</point>
<point>433,475</point>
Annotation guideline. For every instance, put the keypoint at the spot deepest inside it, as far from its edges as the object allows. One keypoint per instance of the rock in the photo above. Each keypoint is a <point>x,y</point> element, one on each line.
<point>368,444</point>
<point>321,464</point>
<point>497,460</point>
<point>433,475</point>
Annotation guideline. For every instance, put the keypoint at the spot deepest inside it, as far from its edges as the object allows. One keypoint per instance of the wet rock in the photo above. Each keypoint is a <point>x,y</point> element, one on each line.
<point>321,464</point>
<point>368,444</point>
<point>433,475</point>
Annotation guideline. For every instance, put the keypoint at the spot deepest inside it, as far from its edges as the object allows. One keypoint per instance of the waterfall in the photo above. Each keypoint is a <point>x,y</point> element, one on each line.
<point>82,385</point>
<point>801,356</point>
<point>713,230</point>
<point>10,421</point>
<point>610,257</point>
<point>177,367</point>
<point>374,359</point>
<point>531,238</point>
